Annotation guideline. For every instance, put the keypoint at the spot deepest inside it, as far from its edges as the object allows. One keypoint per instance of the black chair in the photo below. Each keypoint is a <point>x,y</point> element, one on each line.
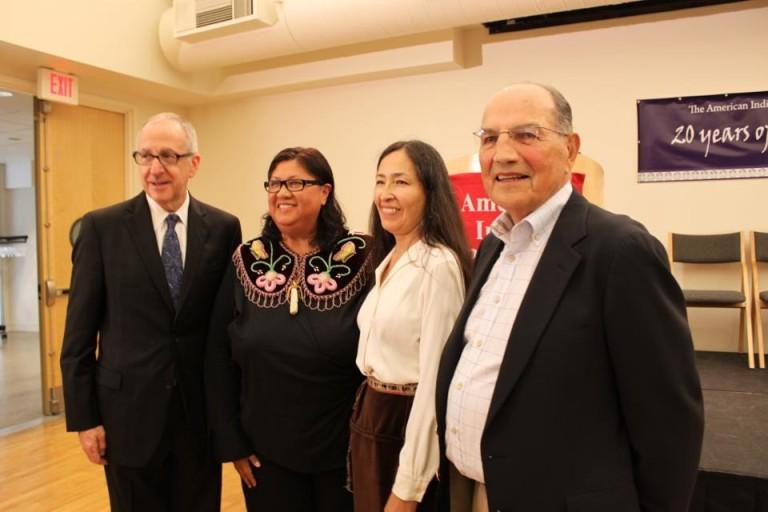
<point>759,253</point>
<point>716,250</point>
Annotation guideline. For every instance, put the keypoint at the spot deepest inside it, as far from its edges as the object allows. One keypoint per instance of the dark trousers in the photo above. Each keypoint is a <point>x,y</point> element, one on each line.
<point>280,489</point>
<point>377,436</point>
<point>181,477</point>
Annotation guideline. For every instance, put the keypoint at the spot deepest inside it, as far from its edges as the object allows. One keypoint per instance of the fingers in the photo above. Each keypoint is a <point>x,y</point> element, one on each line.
<point>94,443</point>
<point>243,467</point>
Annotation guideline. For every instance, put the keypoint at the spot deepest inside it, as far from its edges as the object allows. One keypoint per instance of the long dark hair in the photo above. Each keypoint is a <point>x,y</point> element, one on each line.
<point>441,222</point>
<point>331,223</point>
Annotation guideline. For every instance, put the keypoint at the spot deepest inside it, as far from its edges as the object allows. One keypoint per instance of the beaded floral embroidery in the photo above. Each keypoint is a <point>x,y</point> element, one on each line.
<point>273,275</point>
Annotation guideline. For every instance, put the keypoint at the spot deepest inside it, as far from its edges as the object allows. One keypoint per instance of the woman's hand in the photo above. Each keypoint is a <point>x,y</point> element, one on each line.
<point>244,468</point>
<point>395,504</point>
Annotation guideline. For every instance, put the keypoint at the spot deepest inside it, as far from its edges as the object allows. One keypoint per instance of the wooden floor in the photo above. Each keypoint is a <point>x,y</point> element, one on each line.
<point>42,469</point>
<point>20,395</point>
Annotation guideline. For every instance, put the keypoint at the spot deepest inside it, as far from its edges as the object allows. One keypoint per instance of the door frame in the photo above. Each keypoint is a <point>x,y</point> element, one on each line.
<point>52,394</point>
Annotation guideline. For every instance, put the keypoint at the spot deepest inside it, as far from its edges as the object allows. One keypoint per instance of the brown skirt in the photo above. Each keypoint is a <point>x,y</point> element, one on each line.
<point>377,434</point>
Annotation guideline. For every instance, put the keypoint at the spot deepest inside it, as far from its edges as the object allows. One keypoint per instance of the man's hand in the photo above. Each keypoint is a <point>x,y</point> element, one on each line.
<point>243,466</point>
<point>94,444</point>
<point>395,504</point>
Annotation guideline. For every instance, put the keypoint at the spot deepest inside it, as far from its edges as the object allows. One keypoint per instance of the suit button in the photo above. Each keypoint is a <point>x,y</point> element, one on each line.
<point>490,457</point>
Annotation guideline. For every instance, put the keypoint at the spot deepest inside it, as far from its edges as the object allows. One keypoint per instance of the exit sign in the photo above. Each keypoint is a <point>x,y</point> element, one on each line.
<point>55,86</point>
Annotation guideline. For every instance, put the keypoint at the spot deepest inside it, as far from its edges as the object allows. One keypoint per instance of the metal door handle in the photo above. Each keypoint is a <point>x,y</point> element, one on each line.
<point>51,292</point>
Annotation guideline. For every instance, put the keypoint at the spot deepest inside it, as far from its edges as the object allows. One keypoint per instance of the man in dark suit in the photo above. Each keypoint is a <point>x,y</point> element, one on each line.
<point>568,382</point>
<point>145,274</point>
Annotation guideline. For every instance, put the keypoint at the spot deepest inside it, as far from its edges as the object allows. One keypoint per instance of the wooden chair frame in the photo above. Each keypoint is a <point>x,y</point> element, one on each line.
<point>759,304</point>
<point>745,315</point>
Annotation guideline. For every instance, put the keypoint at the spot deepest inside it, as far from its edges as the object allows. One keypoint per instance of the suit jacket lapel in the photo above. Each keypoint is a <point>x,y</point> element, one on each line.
<point>549,281</point>
<point>139,222</point>
<point>197,234</point>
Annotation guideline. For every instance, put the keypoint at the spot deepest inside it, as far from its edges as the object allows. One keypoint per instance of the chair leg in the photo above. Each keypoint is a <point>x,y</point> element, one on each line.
<point>759,331</point>
<point>750,346</point>
<point>741,331</point>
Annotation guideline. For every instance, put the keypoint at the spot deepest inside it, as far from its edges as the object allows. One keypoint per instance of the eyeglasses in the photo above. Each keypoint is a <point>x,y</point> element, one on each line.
<point>523,135</point>
<point>293,185</point>
<point>167,158</point>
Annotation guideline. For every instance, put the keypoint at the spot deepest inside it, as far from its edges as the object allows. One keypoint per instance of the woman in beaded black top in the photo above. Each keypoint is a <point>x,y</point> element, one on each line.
<point>281,373</point>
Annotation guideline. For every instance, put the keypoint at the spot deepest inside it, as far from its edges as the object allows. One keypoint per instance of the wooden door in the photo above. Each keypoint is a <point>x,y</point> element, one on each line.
<point>80,166</point>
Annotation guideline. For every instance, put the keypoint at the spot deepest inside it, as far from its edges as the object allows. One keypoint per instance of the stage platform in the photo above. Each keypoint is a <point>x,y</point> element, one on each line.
<point>734,459</point>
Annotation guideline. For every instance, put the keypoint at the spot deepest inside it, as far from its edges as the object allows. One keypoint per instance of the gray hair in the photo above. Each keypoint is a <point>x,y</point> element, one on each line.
<point>189,130</point>
<point>563,113</point>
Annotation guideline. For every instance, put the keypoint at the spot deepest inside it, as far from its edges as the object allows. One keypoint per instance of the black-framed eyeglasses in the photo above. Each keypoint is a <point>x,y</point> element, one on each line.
<point>523,135</point>
<point>293,184</point>
<point>165,157</point>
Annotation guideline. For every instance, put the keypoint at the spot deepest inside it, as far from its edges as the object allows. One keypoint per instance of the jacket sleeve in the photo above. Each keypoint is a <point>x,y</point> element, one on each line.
<point>652,352</point>
<point>442,297</point>
<point>222,377</point>
<point>85,311</point>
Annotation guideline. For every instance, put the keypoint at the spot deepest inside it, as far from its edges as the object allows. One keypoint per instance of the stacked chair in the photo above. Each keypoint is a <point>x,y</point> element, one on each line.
<point>721,249</point>
<point>759,253</point>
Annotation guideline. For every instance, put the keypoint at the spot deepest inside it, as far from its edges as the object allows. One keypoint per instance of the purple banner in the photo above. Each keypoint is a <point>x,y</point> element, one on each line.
<point>703,137</point>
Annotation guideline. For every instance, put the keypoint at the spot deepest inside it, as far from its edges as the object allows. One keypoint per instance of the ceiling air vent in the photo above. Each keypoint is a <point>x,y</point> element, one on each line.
<point>211,12</point>
<point>212,16</point>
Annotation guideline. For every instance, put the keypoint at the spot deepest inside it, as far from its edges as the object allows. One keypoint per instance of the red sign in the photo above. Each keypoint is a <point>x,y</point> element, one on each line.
<point>55,86</point>
<point>477,209</point>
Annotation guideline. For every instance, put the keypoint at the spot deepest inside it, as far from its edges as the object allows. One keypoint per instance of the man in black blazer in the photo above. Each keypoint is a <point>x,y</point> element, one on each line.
<point>568,382</point>
<point>143,285</point>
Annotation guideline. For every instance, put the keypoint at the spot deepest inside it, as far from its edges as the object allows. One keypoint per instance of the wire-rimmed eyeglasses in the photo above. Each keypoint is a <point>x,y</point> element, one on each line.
<point>523,135</point>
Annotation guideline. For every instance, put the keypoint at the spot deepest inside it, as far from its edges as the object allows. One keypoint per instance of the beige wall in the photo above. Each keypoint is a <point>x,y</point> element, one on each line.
<point>602,69</point>
<point>113,35</point>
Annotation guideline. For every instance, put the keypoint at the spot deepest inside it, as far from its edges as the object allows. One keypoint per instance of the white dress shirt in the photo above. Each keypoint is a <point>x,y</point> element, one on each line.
<point>404,323</point>
<point>161,226</point>
<point>488,328</point>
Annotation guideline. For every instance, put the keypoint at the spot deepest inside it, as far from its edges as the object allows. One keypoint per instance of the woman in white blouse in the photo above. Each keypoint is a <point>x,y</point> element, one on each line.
<point>423,266</point>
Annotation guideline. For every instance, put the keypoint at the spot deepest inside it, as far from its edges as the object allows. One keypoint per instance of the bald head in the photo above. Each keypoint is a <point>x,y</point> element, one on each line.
<point>190,134</point>
<point>562,116</point>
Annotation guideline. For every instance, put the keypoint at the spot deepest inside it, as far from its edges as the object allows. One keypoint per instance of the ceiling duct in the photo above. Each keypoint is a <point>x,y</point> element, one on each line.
<point>287,27</point>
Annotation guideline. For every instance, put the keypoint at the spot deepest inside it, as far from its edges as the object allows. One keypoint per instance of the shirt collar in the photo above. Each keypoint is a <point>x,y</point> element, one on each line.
<point>414,253</point>
<point>159,213</point>
<point>536,224</point>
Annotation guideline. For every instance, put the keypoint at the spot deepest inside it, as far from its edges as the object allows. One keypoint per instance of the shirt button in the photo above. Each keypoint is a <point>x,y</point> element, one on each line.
<point>460,386</point>
<point>496,299</point>
<point>535,238</point>
<point>511,257</point>
<point>478,343</point>
<point>454,430</point>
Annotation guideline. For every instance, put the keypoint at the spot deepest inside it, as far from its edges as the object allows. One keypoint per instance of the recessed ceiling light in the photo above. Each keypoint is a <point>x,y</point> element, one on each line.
<point>5,94</point>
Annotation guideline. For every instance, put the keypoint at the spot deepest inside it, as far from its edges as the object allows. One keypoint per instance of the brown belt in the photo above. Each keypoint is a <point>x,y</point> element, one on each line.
<point>392,389</point>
